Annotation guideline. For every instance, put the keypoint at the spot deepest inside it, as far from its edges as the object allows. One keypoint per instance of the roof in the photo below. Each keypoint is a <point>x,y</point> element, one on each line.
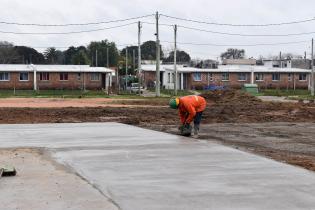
<point>52,68</point>
<point>227,68</point>
<point>239,62</point>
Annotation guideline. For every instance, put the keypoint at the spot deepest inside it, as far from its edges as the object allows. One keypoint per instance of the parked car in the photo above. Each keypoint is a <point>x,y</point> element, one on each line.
<point>134,88</point>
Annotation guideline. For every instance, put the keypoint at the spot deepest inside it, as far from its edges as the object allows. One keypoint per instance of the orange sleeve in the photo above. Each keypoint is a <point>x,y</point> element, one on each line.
<point>191,113</point>
<point>182,116</point>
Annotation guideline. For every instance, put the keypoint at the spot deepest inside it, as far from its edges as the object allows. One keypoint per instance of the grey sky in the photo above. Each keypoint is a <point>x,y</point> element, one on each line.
<point>227,11</point>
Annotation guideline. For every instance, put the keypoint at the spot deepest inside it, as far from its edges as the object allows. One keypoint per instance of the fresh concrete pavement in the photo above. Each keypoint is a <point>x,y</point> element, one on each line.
<point>143,169</point>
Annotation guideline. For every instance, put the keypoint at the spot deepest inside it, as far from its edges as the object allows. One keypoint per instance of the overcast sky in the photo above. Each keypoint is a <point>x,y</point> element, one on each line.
<point>225,11</point>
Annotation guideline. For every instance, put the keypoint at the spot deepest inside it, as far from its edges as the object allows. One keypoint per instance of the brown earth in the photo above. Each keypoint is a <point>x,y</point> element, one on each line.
<point>223,107</point>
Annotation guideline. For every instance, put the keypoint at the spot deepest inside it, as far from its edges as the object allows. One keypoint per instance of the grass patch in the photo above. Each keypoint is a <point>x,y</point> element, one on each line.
<point>62,94</point>
<point>275,92</point>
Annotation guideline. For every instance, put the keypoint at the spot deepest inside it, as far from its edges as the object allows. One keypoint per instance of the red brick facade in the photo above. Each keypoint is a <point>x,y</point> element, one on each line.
<point>75,81</point>
<point>236,81</point>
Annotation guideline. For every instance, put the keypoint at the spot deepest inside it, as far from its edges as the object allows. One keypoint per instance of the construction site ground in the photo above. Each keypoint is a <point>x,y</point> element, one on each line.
<point>118,166</point>
<point>282,131</point>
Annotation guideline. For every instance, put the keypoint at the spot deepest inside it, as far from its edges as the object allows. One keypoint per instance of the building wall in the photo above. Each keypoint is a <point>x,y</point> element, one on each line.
<point>216,79</point>
<point>15,83</point>
<point>149,79</point>
<point>54,82</point>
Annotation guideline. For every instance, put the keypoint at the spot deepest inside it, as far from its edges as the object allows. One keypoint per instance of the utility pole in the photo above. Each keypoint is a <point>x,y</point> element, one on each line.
<point>312,76</point>
<point>175,59</point>
<point>96,59</point>
<point>107,57</point>
<point>157,84</point>
<point>133,59</point>
<point>280,59</point>
<point>126,67</point>
<point>139,56</point>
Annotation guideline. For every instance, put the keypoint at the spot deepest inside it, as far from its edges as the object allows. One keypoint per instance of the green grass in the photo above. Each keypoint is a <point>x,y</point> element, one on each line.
<point>290,94</point>
<point>61,94</point>
<point>170,93</point>
<point>275,92</point>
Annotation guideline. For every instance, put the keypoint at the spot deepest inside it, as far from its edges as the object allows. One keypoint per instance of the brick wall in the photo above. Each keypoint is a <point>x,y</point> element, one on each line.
<point>149,78</point>
<point>54,82</point>
<point>15,82</point>
<point>216,79</point>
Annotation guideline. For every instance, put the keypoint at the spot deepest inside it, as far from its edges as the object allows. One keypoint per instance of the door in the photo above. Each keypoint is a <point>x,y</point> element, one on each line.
<point>103,81</point>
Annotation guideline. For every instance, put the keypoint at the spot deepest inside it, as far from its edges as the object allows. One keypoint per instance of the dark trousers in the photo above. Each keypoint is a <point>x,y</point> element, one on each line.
<point>197,120</point>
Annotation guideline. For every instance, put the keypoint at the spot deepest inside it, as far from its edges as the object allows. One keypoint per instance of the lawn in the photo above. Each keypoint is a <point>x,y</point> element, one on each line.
<point>61,94</point>
<point>290,94</point>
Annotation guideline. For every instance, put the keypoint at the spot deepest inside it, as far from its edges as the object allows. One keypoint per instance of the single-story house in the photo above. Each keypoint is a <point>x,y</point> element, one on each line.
<point>37,77</point>
<point>234,76</point>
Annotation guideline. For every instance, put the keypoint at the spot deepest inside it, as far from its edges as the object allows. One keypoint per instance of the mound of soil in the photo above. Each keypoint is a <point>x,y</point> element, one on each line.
<point>232,106</point>
<point>223,107</point>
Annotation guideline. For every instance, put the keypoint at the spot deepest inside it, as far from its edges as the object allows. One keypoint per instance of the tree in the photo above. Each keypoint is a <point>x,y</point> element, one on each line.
<point>29,55</point>
<point>54,56</point>
<point>181,56</point>
<point>233,54</point>
<point>148,50</point>
<point>101,48</point>
<point>80,58</point>
<point>7,53</point>
<point>73,54</point>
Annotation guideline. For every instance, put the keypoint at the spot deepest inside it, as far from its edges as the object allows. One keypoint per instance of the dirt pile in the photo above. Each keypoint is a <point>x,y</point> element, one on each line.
<point>232,106</point>
<point>223,107</point>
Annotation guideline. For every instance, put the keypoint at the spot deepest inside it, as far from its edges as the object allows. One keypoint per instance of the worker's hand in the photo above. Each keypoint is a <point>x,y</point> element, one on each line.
<point>180,128</point>
<point>187,125</point>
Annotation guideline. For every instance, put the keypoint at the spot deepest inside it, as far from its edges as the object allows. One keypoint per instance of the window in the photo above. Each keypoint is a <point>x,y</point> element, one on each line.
<point>168,77</point>
<point>242,77</point>
<point>4,76</point>
<point>173,75</point>
<point>225,77</point>
<point>210,76</point>
<point>95,77</point>
<point>79,76</point>
<point>259,77</point>
<point>302,77</point>
<point>275,76</point>
<point>289,77</point>
<point>197,76</point>
<point>24,76</point>
<point>63,76</point>
<point>44,76</point>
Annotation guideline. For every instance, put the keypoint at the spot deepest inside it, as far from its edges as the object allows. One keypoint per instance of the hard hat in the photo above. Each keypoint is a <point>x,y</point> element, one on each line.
<point>174,103</point>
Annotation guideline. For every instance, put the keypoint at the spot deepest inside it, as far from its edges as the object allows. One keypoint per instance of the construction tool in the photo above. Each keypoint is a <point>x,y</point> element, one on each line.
<point>185,130</point>
<point>7,171</point>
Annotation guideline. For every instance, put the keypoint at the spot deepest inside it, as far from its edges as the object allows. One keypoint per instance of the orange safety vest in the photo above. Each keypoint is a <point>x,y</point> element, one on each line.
<point>189,106</point>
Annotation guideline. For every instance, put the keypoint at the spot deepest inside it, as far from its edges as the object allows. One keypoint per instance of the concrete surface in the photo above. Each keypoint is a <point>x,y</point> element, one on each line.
<point>40,184</point>
<point>142,169</point>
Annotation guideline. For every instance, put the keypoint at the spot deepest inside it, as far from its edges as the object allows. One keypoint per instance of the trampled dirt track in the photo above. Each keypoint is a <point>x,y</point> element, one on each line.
<point>223,107</point>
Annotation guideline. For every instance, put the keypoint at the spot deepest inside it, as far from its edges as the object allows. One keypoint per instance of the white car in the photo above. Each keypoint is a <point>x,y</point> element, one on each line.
<point>134,88</point>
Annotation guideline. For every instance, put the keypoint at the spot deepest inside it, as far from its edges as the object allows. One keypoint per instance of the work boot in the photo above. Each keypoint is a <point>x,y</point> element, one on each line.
<point>196,132</point>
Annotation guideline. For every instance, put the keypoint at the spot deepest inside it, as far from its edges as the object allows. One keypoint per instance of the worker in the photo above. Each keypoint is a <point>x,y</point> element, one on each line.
<point>190,109</point>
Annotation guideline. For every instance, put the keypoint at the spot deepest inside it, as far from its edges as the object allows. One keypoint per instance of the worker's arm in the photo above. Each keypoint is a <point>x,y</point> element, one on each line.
<point>182,116</point>
<point>191,113</point>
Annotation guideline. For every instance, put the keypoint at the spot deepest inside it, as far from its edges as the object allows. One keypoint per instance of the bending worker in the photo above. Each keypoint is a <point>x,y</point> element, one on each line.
<point>190,109</point>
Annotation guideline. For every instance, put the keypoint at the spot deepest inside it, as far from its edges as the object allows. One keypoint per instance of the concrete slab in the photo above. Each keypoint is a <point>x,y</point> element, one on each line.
<point>143,169</point>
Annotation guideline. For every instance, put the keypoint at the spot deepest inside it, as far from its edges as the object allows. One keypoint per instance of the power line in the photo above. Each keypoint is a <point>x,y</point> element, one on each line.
<point>248,35</point>
<point>74,24</point>
<point>160,24</point>
<point>65,33</point>
<point>239,45</point>
<point>240,25</point>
